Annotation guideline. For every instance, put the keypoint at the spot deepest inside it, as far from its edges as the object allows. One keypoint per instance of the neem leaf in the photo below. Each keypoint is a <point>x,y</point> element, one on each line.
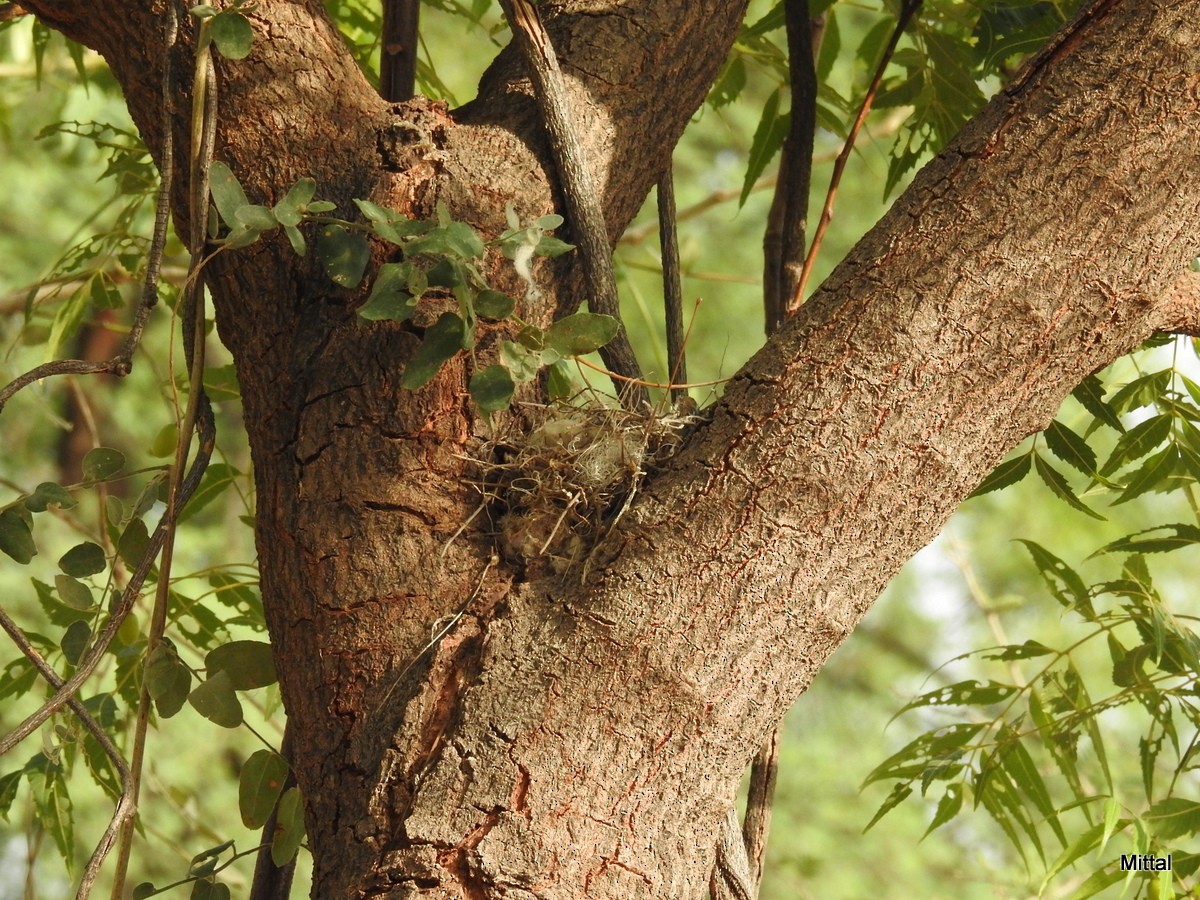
<point>492,389</point>
<point>343,254</point>
<point>248,664</point>
<point>581,333</point>
<point>215,700</point>
<point>260,785</point>
<point>1004,474</point>
<point>226,190</point>
<point>768,138</point>
<point>1070,448</point>
<point>83,559</point>
<point>232,34</point>
<point>16,539</point>
<point>443,339</point>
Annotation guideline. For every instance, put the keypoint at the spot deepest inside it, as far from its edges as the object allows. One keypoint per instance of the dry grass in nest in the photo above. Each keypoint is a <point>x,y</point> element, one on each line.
<point>555,492</point>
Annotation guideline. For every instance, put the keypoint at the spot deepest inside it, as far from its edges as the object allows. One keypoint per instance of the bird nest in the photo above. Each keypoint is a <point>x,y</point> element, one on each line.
<point>556,491</point>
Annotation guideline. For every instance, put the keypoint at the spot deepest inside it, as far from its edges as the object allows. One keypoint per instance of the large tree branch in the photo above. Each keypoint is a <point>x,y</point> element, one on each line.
<point>1031,252</point>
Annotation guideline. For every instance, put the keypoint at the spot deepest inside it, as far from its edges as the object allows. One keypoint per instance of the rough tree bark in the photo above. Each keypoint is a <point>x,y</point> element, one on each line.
<point>585,740</point>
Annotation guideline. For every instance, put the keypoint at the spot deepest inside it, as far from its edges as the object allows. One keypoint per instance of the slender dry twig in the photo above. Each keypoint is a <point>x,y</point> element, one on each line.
<point>907,11</point>
<point>203,132</point>
<point>579,188</point>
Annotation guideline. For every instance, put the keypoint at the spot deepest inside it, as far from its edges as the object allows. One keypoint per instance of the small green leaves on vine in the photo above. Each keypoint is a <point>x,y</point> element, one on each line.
<point>442,255</point>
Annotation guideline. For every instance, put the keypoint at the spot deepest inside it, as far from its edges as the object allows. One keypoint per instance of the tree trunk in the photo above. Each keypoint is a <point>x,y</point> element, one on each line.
<point>573,738</point>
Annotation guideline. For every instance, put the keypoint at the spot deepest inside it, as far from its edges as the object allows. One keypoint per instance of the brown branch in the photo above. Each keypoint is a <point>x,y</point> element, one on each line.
<point>1179,309</point>
<point>787,222</point>
<point>398,50</point>
<point>10,11</point>
<point>580,191</point>
<point>839,166</point>
<point>672,285</point>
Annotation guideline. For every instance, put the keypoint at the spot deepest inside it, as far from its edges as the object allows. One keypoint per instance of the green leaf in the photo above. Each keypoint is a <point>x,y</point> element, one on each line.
<point>390,225</point>
<point>1058,485</point>
<point>494,305</point>
<point>133,543</point>
<point>1017,762</point>
<point>47,494</point>
<point>1090,394</point>
<point>1154,475</point>
<point>457,240</point>
<point>1070,447</point>
<point>1005,474</point>
<point>83,560</point>
<point>290,210</point>
<point>217,479</point>
<point>249,664</point>
<point>52,803</point>
<point>227,193</point>
<point>1012,29</point>
<point>581,333</point>
<point>1028,650</point>
<point>16,538</point>
<point>101,463</point>
<point>289,824</point>
<point>389,298</point>
<point>443,339</point>
<point>559,383</point>
<point>204,889</point>
<point>73,593</point>
<point>1140,440</point>
<point>522,363</point>
<point>260,785</point>
<point>948,807</point>
<point>9,783</point>
<point>144,890</point>
<point>1140,392</point>
<point>232,34</point>
<point>75,640</point>
<point>1066,586</point>
<point>296,239</point>
<point>1183,535</point>
<point>1174,817</point>
<point>492,389</point>
<point>963,693</point>
<point>343,254</point>
<point>255,217</point>
<point>729,83</point>
<point>899,793</point>
<point>215,700</point>
<point>167,680</point>
<point>768,138</point>
<point>220,383</point>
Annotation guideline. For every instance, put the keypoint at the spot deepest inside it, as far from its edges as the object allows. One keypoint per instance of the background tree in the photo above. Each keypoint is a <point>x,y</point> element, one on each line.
<point>580,730</point>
